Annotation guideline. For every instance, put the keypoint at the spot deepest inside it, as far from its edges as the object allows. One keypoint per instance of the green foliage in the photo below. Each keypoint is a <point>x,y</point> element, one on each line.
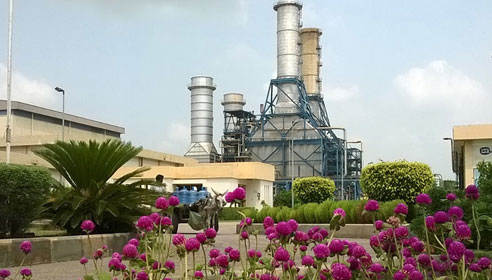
<point>284,198</point>
<point>485,180</point>
<point>404,180</point>
<point>273,211</point>
<point>23,191</point>
<point>387,209</point>
<point>313,189</point>
<point>232,213</point>
<point>260,216</point>
<point>310,212</point>
<point>87,168</point>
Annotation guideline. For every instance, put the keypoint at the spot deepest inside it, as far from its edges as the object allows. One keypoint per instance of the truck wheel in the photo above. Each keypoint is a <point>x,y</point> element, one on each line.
<point>175,221</point>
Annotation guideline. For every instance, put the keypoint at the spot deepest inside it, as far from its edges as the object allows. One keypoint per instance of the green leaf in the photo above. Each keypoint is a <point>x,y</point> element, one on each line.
<point>104,276</point>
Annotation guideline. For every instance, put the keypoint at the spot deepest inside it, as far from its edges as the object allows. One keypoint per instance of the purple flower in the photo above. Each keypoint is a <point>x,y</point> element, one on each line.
<point>282,255</point>
<point>173,200</point>
<point>340,272</point>
<point>234,255</point>
<point>229,197</point>
<point>25,272</point>
<point>376,268</point>
<point>416,275</point>
<point>192,245</point>
<point>339,212</point>
<point>214,253</point>
<point>374,241</point>
<point>451,197</point>
<point>358,251</point>
<point>114,264</point>
<point>455,212</point>
<point>161,203</point>
<point>201,237</point>
<point>26,247</point>
<point>130,251</point>
<point>83,260</point>
<point>475,267</point>
<point>423,199</point>
<point>336,246</point>
<point>424,259</point>
<point>170,265</point>
<point>156,265</point>
<point>430,223</point>
<point>401,209</point>
<point>471,192</point>
<point>441,217</point>
<point>293,224</point>
<point>307,260</point>
<point>88,226</point>
<point>244,235</point>
<point>145,223</point>
<point>371,205</point>
<point>418,246</point>
<point>463,232</point>
<point>222,261</point>
<point>4,273</point>
<point>301,236</point>
<point>401,232</point>
<point>378,224</point>
<point>303,248</point>
<point>456,250</point>
<point>248,221</point>
<point>142,275</point>
<point>252,253</point>
<point>133,241</point>
<point>323,232</point>
<point>268,222</point>
<point>239,193</point>
<point>210,233</point>
<point>228,249</point>
<point>199,274</point>
<point>321,251</point>
<point>399,276</point>
<point>179,239</point>
<point>283,229</point>
<point>166,221</point>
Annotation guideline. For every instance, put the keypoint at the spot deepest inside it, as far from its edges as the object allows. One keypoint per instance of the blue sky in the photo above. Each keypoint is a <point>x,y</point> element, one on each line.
<point>397,74</point>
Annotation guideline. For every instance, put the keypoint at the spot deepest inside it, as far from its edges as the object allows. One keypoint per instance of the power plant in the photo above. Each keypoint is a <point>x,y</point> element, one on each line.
<point>292,131</point>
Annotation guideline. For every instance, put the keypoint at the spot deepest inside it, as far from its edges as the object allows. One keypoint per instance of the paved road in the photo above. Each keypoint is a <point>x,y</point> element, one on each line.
<point>73,270</point>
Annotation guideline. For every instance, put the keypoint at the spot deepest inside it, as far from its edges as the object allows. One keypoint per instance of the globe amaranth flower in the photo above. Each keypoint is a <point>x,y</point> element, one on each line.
<point>25,272</point>
<point>401,209</point>
<point>321,251</point>
<point>4,273</point>
<point>416,275</point>
<point>145,223</point>
<point>471,192</point>
<point>248,221</point>
<point>340,272</point>
<point>323,232</point>
<point>234,255</point>
<point>399,276</point>
<point>222,261</point>
<point>376,268</point>
<point>244,235</point>
<point>401,232</point>
<point>98,254</point>
<point>357,251</point>
<point>411,261</point>
<point>424,259</point>
<point>142,275</point>
<point>201,237</point>
<point>199,274</point>
<point>484,262</point>
<point>317,237</point>
<point>88,226</point>
<point>301,236</point>
<point>336,246</point>
<point>339,212</point>
<point>192,245</point>
<point>130,251</point>
<point>293,224</point>
<point>83,260</point>
<point>161,203</point>
<point>210,233</point>
<point>303,248</point>
<point>451,197</point>
<point>441,217</point>
<point>418,246</point>
<point>214,253</point>
<point>173,200</point>
<point>463,232</point>
<point>229,197</point>
<point>469,256</point>
<point>475,267</point>
<point>283,229</point>
<point>114,264</point>
<point>134,242</point>
<point>456,250</point>
<point>455,212</point>
<point>423,199</point>
<point>281,255</point>
<point>371,205</point>
<point>179,239</point>
<point>430,223</point>
<point>26,247</point>
<point>166,221</point>
<point>374,241</point>
<point>170,265</point>
<point>307,260</point>
<point>378,224</point>
<point>268,222</point>
<point>239,193</point>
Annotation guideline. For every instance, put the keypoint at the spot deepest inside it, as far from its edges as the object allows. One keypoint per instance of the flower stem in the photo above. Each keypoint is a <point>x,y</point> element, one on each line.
<point>20,267</point>
<point>428,249</point>
<point>476,226</point>
<point>205,262</point>
<point>90,249</point>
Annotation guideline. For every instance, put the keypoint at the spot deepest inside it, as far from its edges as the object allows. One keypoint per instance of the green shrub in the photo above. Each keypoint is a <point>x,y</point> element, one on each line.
<point>272,212</point>
<point>310,212</point>
<point>232,213</point>
<point>23,191</point>
<point>485,179</point>
<point>251,212</point>
<point>284,198</point>
<point>387,209</point>
<point>313,189</point>
<point>388,181</point>
<point>283,214</point>
<point>300,214</point>
<point>260,216</point>
<point>324,210</point>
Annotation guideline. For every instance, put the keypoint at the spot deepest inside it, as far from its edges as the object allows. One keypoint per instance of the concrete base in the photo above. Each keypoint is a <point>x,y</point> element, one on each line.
<point>58,249</point>
<point>361,231</point>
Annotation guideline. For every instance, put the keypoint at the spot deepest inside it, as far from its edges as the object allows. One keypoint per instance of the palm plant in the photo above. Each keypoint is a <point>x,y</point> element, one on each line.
<point>88,168</point>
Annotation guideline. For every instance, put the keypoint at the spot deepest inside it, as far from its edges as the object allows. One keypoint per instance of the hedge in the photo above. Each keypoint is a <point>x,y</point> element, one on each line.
<point>232,213</point>
<point>386,181</point>
<point>313,189</point>
<point>314,213</point>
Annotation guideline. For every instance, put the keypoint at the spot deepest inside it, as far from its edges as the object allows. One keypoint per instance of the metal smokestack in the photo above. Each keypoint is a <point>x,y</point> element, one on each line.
<point>288,53</point>
<point>202,147</point>
<point>311,64</point>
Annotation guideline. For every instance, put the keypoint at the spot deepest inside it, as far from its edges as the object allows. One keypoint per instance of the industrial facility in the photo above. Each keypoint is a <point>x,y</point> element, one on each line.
<point>293,131</point>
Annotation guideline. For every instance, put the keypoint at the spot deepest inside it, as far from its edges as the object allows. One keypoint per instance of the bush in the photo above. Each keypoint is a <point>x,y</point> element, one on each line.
<point>313,189</point>
<point>404,180</point>
<point>284,198</point>
<point>485,179</point>
<point>232,213</point>
<point>24,189</point>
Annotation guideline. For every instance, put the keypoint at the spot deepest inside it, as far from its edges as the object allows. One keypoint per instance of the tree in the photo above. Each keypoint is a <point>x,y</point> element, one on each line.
<point>88,167</point>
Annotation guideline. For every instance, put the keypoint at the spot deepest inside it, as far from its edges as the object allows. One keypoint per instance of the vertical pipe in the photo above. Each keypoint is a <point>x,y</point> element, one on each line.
<point>8,132</point>
<point>63,118</point>
<point>292,170</point>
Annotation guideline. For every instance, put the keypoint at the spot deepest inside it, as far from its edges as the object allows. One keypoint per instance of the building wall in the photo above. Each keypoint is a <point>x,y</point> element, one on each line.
<point>472,157</point>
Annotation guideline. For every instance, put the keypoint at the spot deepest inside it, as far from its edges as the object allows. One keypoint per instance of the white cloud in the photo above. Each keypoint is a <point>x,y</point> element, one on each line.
<point>33,91</point>
<point>176,140</point>
<point>340,93</point>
